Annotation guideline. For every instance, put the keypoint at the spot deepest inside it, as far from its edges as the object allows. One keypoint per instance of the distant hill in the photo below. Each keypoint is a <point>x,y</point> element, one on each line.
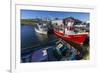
<point>28,21</point>
<point>31,21</point>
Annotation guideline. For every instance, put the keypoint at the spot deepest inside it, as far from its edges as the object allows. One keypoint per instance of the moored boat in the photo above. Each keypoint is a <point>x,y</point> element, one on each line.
<point>76,38</point>
<point>67,32</point>
<point>41,28</point>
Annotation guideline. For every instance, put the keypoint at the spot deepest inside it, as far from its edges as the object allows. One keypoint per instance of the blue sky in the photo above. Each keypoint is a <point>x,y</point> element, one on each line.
<point>31,14</point>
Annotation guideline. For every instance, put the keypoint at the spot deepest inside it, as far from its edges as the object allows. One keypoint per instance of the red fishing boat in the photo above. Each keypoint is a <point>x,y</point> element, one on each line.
<point>66,32</point>
<point>76,38</point>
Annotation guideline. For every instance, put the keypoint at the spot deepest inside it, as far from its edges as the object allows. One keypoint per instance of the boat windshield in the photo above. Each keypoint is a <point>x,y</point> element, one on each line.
<point>60,45</point>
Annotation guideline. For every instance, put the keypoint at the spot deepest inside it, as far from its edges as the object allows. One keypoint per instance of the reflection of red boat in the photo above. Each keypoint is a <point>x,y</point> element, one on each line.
<point>76,38</point>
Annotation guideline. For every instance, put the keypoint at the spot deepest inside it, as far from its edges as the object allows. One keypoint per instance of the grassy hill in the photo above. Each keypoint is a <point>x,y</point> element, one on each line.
<point>31,21</point>
<point>28,22</point>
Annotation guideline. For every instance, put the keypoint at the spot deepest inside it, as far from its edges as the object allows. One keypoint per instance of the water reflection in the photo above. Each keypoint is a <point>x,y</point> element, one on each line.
<point>29,37</point>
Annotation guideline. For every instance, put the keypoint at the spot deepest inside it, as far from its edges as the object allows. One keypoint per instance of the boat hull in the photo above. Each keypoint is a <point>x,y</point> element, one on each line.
<point>40,32</point>
<point>76,38</point>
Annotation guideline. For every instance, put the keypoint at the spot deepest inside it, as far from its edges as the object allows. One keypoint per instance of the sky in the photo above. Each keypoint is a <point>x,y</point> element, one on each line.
<point>31,14</point>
